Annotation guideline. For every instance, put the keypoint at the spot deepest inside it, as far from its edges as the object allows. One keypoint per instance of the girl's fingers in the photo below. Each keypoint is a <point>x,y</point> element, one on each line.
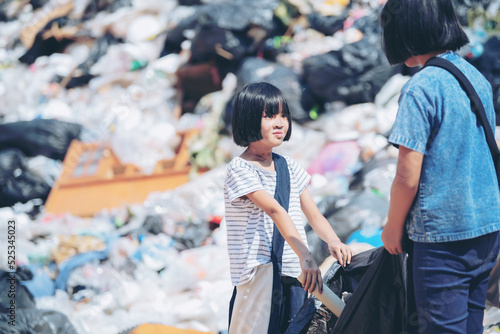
<point>343,261</point>
<point>344,257</point>
<point>313,283</point>
<point>349,256</point>
<point>307,282</point>
<point>343,254</point>
<point>340,257</point>
<point>313,280</point>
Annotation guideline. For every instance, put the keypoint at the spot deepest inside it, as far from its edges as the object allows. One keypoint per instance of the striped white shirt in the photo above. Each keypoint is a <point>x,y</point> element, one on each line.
<point>249,229</point>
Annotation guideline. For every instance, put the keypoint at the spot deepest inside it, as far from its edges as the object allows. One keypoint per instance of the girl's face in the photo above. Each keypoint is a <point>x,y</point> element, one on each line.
<point>273,128</point>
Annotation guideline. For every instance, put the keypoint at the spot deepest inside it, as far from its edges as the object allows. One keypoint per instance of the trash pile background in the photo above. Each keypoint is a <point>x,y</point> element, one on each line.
<point>131,75</point>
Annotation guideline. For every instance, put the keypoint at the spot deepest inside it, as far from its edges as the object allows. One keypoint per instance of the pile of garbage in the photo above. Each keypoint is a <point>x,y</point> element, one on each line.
<point>130,78</point>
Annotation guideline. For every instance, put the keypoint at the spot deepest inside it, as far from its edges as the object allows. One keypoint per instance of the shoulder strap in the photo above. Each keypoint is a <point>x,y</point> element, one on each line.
<point>282,195</point>
<point>282,192</point>
<point>477,106</point>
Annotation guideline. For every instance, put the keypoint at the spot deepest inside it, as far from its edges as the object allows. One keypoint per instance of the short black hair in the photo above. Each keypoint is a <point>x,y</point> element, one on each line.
<point>417,27</point>
<point>249,104</point>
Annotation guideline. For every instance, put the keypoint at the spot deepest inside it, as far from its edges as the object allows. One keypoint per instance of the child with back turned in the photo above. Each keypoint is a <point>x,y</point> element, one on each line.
<point>445,193</point>
<point>265,195</point>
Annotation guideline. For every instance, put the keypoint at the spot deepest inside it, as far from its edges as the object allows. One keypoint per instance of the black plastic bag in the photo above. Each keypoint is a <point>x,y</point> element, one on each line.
<point>189,2</point>
<point>191,235</point>
<point>35,321</point>
<point>354,74</point>
<point>82,74</point>
<point>255,69</point>
<point>48,137</point>
<point>209,38</point>
<point>327,25</point>
<point>366,87</point>
<point>38,3</point>
<point>17,182</point>
<point>232,16</point>
<point>47,46</point>
<point>379,303</point>
<point>175,36</point>
<point>238,14</point>
<point>98,6</point>
<point>28,319</point>
<point>12,281</point>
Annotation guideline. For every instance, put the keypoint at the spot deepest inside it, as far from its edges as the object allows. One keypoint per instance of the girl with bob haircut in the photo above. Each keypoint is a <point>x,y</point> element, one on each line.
<point>249,103</point>
<point>445,193</point>
<point>265,197</point>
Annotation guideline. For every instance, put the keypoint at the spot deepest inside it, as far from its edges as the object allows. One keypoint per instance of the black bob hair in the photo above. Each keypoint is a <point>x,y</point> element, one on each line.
<point>417,27</point>
<point>249,105</point>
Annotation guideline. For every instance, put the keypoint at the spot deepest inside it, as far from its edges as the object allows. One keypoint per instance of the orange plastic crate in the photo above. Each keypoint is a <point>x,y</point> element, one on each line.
<point>93,179</point>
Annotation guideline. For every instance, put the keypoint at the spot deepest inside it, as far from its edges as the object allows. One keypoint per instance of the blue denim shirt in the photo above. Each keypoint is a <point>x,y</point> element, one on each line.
<point>458,196</point>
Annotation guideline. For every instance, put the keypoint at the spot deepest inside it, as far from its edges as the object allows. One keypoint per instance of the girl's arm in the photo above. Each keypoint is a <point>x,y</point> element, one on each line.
<point>310,270</point>
<point>403,191</point>
<point>322,227</point>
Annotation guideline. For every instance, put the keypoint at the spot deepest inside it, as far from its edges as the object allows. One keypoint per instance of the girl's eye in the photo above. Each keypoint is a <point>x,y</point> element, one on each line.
<point>268,116</point>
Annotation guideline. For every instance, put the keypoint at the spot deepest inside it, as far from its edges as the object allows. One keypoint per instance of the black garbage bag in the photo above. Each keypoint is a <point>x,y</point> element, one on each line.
<point>35,321</point>
<point>82,74</point>
<point>12,282</point>
<point>377,300</point>
<point>190,235</point>
<point>189,2</point>
<point>323,73</point>
<point>230,15</point>
<point>238,14</point>
<point>48,137</point>
<point>370,26</point>
<point>95,7</point>
<point>153,224</point>
<point>26,317</point>
<point>382,302</point>
<point>175,35</point>
<point>211,40</point>
<point>227,48</point>
<point>367,85</point>
<point>327,25</point>
<point>4,14</point>
<point>38,3</point>
<point>254,69</point>
<point>17,182</point>
<point>354,74</point>
<point>46,47</point>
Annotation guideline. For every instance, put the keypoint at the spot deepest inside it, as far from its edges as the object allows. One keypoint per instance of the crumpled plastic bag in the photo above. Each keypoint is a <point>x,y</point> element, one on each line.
<point>374,286</point>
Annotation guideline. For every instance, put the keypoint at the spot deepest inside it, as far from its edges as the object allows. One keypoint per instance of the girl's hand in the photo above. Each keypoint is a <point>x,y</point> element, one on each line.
<point>392,237</point>
<point>340,251</point>
<point>311,274</point>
